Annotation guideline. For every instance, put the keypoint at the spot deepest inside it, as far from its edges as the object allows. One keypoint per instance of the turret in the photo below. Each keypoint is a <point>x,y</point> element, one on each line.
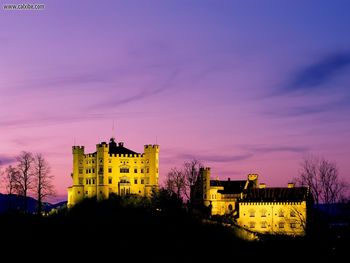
<point>102,150</point>
<point>151,157</point>
<point>205,174</point>
<point>78,165</point>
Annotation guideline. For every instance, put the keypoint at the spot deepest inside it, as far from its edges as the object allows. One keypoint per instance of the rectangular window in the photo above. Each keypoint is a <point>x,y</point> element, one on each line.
<point>135,181</point>
<point>263,225</point>
<point>252,213</point>
<point>93,181</point>
<point>110,170</point>
<point>101,180</point>
<point>292,213</point>
<point>142,171</point>
<point>147,170</point>
<point>86,181</point>
<point>110,180</point>
<point>142,181</point>
<point>86,192</point>
<point>81,181</point>
<point>87,171</point>
<point>293,225</point>
<point>281,225</point>
<point>281,213</point>
<point>124,170</point>
<point>80,171</point>
<point>263,213</point>
<point>93,170</point>
<point>252,225</point>
<point>135,170</point>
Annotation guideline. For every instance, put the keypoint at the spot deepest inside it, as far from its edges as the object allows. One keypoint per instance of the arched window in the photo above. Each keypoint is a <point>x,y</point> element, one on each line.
<point>230,207</point>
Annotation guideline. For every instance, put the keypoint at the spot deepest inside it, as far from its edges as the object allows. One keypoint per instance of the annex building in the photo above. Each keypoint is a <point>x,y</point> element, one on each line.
<point>273,210</point>
<point>113,169</point>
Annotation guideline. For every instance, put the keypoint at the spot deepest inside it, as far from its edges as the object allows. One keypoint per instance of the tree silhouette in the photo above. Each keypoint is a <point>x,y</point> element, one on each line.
<point>24,180</point>
<point>42,180</point>
<point>322,178</point>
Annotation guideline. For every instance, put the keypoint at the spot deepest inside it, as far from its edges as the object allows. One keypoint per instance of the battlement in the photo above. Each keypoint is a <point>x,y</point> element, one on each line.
<point>154,146</point>
<point>252,177</point>
<point>102,144</point>
<point>126,155</point>
<point>78,147</point>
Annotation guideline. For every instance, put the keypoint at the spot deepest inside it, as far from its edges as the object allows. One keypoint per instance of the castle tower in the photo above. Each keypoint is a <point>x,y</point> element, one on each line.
<point>75,193</point>
<point>151,157</point>
<point>205,174</point>
<point>102,170</point>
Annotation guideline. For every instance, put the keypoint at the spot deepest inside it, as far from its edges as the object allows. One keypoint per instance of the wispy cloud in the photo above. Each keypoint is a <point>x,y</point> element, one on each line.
<point>5,159</point>
<point>273,149</point>
<point>319,73</point>
<point>40,121</point>
<point>216,157</point>
<point>143,94</point>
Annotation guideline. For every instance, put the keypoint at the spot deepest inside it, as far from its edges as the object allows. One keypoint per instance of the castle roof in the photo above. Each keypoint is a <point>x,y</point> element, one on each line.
<point>277,194</point>
<point>230,187</point>
<point>119,148</point>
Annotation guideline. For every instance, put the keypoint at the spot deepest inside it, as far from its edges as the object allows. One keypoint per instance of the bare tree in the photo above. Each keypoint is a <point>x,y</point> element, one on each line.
<point>10,179</point>
<point>42,180</point>
<point>175,182</point>
<point>191,173</point>
<point>322,178</point>
<point>24,180</point>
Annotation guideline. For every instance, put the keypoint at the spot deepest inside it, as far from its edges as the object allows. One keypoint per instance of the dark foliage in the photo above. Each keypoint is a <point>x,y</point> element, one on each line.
<point>156,230</point>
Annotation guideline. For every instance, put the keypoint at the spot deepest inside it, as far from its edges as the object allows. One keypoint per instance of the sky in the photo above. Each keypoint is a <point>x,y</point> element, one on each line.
<point>243,86</point>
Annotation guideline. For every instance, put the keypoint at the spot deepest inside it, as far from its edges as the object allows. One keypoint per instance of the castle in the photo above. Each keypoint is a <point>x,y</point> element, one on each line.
<point>276,210</point>
<point>115,169</point>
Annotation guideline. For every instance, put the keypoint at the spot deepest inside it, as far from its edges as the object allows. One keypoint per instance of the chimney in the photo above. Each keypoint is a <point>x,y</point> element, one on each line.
<point>290,185</point>
<point>262,185</point>
<point>229,179</point>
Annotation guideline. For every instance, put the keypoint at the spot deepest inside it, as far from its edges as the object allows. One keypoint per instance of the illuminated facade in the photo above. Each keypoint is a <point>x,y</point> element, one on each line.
<point>113,169</point>
<point>254,207</point>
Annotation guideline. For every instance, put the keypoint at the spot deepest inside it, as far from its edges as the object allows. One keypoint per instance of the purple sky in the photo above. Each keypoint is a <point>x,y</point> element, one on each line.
<point>243,86</point>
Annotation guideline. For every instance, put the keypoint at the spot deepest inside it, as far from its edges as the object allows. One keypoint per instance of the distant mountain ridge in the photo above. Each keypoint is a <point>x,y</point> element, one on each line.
<point>14,203</point>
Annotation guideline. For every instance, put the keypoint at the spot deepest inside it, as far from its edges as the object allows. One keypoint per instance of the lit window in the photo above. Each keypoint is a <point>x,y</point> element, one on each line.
<point>124,170</point>
<point>252,213</point>
<point>263,224</point>
<point>281,225</point>
<point>293,225</point>
<point>263,213</point>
